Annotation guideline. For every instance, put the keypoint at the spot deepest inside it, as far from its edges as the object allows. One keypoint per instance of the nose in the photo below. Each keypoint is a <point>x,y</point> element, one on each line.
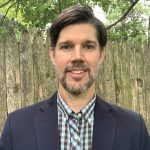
<point>77,53</point>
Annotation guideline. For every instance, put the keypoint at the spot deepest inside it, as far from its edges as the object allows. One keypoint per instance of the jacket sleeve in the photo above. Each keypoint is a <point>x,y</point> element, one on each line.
<point>145,137</point>
<point>6,140</point>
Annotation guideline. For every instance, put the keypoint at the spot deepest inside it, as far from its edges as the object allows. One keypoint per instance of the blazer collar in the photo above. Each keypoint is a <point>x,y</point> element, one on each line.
<point>104,126</point>
<point>46,125</point>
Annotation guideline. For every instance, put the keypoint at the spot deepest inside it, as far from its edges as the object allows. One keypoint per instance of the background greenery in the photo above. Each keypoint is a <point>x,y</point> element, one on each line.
<point>37,13</point>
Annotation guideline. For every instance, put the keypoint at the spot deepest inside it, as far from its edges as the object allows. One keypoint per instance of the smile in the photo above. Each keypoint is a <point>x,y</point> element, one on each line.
<point>77,71</point>
<point>77,74</point>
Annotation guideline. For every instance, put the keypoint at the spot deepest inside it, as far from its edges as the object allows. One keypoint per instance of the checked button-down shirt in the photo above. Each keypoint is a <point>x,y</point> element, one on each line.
<point>75,129</point>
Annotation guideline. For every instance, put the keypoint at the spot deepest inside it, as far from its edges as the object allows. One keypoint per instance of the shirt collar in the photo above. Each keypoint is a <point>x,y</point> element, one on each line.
<point>87,112</point>
<point>63,107</point>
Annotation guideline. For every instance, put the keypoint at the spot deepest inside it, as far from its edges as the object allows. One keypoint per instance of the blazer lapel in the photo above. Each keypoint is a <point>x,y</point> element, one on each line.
<point>46,125</point>
<point>104,126</point>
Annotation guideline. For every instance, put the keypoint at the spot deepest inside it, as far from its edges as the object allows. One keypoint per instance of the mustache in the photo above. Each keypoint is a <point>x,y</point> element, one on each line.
<point>77,65</point>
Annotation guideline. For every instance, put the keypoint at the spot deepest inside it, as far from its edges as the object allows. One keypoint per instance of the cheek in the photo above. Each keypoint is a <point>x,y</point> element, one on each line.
<point>60,63</point>
<point>94,61</point>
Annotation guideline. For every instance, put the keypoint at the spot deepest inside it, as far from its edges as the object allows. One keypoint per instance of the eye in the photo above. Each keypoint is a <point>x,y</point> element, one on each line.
<point>65,47</point>
<point>89,47</point>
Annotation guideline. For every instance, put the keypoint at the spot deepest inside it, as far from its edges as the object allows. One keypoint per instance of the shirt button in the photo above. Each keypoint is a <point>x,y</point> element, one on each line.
<point>76,137</point>
<point>79,115</point>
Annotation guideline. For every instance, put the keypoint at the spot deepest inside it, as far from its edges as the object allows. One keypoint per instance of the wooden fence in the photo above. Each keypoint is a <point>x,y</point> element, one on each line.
<point>27,76</point>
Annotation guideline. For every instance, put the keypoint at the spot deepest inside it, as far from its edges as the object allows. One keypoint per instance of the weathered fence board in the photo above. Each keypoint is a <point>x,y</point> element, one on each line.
<point>3,94</point>
<point>12,73</point>
<point>51,79</point>
<point>26,70</point>
<point>27,76</point>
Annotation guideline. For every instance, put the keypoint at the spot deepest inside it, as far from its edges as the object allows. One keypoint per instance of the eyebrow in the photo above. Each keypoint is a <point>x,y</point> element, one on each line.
<point>65,42</point>
<point>85,42</point>
<point>90,42</point>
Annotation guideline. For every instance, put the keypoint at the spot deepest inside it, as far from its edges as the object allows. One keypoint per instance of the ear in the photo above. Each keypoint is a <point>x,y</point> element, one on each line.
<point>52,55</point>
<point>102,56</point>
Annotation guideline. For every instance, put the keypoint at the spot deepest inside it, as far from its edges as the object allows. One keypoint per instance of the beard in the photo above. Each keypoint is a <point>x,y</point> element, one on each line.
<point>70,87</point>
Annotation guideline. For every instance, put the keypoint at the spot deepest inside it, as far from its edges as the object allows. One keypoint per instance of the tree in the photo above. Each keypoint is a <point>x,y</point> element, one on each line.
<point>123,15</point>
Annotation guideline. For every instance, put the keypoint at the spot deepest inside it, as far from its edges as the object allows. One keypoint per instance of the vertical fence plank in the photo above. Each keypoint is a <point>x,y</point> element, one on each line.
<point>105,85</point>
<point>35,68</point>
<point>117,72</point>
<point>26,69</point>
<point>3,96</point>
<point>12,72</point>
<point>39,66</point>
<point>134,89</point>
<point>139,78</point>
<point>51,78</point>
<point>125,57</point>
<point>146,83</point>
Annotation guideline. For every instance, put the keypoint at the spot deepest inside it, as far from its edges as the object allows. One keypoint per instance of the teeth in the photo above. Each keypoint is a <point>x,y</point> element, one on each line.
<point>77,71</point>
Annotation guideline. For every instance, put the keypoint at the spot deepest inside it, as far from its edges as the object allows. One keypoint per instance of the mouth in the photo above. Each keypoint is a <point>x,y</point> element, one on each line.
<point>77,73</point>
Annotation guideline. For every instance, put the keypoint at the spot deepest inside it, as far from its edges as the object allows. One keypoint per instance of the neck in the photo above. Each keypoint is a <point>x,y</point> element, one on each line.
<point>77,102</point>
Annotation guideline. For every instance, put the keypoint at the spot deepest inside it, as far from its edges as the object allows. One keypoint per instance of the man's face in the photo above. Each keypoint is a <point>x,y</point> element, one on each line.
<point>77,57</point>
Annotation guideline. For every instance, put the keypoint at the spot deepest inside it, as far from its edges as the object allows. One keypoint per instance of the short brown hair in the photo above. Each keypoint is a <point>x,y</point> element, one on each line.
<point>75,15</point>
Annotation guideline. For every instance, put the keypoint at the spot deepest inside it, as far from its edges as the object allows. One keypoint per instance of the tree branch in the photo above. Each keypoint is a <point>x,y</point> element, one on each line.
<point>7,13</point>
<point>17,9</point>
<point>5,3</point>
<point>59,3</point>
<point>124,14</point>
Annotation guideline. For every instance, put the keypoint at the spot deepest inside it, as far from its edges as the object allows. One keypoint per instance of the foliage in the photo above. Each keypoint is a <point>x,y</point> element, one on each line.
<point>37,13</point>
<point>133,27</point>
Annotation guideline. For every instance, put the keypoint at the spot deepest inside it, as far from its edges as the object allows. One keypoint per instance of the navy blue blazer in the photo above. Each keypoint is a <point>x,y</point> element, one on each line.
<point>35,128</point>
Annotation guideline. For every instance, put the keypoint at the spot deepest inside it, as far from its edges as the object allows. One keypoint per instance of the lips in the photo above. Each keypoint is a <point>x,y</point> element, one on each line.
<point>77,71</point>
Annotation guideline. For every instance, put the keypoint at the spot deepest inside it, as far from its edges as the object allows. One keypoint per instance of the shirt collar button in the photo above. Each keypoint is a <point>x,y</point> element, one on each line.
<point>79,115</point>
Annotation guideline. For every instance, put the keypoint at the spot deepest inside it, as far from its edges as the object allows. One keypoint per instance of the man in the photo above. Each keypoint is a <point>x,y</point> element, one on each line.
<point>75,118</point>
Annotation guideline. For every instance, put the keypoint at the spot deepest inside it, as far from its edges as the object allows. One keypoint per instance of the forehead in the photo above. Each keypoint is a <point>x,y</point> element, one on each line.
<point>78,33</point>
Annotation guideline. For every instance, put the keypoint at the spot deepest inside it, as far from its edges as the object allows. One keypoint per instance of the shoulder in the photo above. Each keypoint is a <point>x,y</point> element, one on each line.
<point>121,114</point>
<point>130,125</point>
<point>124,112</point>
<point>30,111</point>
